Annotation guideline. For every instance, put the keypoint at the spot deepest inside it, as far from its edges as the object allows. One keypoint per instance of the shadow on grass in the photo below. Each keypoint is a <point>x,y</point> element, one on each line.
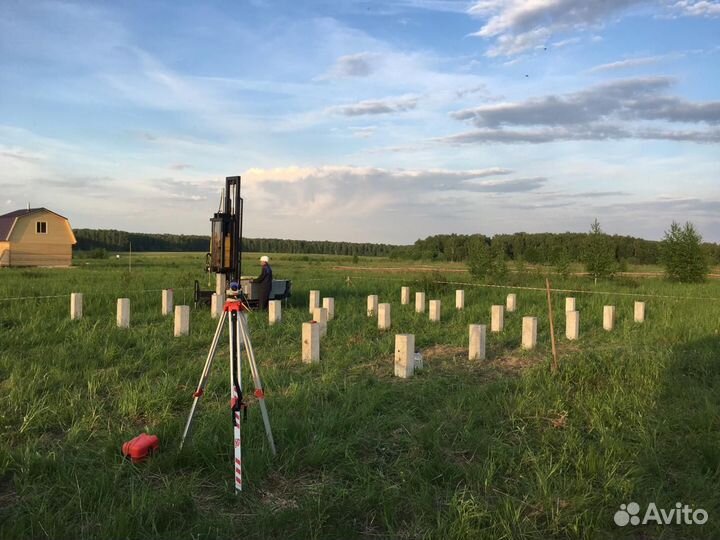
<point>679,461</point>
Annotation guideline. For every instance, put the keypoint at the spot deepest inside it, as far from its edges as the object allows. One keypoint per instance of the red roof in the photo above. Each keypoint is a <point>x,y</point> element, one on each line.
<point>8,220</point>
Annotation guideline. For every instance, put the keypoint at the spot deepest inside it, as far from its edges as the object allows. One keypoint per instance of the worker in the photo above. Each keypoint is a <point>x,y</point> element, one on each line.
<point>265,282</point>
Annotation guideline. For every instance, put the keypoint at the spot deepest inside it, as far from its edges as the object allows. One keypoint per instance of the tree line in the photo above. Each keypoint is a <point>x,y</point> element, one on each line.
<point>681,251</point>
<point>113,240</point>
<point>540,248</point>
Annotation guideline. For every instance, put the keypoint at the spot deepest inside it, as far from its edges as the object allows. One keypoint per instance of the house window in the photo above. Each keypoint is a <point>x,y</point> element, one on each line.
<point>41,227</point>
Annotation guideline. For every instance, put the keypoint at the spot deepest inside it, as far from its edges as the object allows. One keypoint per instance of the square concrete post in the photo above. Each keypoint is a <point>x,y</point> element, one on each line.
<point>274,311</point>
<point>384,316</point>
<point>123,312</point>
<point>570,304</point>
<point>477,342</point>
<point>167,302</point>
<point>435,310</point>
<point>404,295</point>
<point>217,304</point>
<point>329,304</point>
<point>459,299</point>
<point>529,332</point>
<point>372,305</point>
<point>220,284</point>
<point>404,355</point>
<point>497,318</point>
<point>76,305</point>
<point>608,317</point>
<point>572,324</point>
<point>182,320</point>
<point>314,301</point>
<point>320,317</point>
<point>419,302</point>
<point>511,302</point>
<point>639,311</point>
<point>310,342</point>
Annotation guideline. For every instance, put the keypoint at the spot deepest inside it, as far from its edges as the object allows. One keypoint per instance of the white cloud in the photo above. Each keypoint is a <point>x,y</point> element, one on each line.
<point>520,25</point>
<point>627,63</point>
<point>516,26</point>
<point>395,177</point>
<point>376,106</point>
<point>606,111</point>
<point>354,65</point>
<point>698,8</point>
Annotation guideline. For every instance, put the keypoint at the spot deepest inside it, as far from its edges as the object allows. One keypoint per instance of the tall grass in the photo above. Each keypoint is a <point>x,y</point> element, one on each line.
<point>493,449</point>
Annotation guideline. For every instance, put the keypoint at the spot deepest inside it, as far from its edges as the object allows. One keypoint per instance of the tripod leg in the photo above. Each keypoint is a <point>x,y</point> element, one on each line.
<point>237,404</point>
<point>256,381</point>
<point>203,378</point>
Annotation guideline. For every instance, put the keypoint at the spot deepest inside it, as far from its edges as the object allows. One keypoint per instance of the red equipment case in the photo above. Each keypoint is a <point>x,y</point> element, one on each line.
<point>141,447</point>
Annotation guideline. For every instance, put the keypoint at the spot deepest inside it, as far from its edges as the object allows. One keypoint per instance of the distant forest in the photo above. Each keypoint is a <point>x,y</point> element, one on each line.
<point>538,248</point>
<point>531,248</point>
<point>112,240</point>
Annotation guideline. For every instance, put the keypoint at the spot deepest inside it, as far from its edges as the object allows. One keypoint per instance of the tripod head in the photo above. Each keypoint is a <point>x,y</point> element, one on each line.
<point>236,294</point>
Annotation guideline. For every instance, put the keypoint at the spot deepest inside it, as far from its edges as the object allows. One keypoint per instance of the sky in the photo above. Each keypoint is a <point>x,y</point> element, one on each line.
<point>378,121</point>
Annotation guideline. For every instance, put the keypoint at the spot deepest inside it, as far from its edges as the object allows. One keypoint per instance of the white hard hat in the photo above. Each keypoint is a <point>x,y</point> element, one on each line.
<point>265,258</point>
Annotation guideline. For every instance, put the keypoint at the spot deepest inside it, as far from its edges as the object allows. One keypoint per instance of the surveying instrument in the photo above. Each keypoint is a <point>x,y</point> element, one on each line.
<point>225,258</point>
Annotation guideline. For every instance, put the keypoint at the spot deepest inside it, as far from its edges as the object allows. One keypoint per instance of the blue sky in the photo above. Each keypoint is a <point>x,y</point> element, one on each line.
<point>364,120</point>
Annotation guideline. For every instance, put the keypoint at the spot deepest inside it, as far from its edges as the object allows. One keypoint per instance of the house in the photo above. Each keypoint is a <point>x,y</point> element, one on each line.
<point>35,237</point>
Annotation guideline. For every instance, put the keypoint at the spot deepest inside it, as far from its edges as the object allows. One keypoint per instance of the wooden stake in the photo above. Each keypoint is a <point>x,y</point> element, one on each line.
<point>552,327</point>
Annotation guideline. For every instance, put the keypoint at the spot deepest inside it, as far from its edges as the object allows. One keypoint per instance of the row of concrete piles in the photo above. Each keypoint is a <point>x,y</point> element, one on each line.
<point>572,317</point>
<point>314,330</point>
<point>406,359</point>
<point>181,313</point>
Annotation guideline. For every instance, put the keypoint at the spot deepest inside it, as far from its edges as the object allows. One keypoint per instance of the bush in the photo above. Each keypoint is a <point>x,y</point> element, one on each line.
<point>97,253</point>
<point>498,267</point>
<point>561,262</point>
<point>682,255</point>
<point>433,283</point>
<point>599,256</point>
<point>480,258</point>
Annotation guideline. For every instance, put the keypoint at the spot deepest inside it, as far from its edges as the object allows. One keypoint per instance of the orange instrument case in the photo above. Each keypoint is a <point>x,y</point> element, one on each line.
<point>141,447</point>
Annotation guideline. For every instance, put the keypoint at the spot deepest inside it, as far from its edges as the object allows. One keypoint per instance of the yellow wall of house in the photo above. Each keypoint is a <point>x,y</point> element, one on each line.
<point>4,253</point>
<point>37,254</point>
<point>27,247</point>
<point>58,230</point>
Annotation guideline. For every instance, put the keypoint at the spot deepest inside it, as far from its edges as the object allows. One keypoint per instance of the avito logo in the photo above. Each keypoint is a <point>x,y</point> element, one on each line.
<point>682,514</point>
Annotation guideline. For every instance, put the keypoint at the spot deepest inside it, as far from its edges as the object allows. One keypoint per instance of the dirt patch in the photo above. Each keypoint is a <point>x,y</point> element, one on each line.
<point>52,437</point>
<point>357,339</point>
<point>514,363</point>
<point>568,348</point>
<point>276,502</point>
<point>444,352</point>
<point>139,421</point>
<point>559,421</point>
<point>453,359</point>
<point>282,493</point>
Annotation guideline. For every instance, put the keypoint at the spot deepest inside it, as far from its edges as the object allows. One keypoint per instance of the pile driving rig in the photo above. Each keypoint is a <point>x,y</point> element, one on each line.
<point>225,255</point>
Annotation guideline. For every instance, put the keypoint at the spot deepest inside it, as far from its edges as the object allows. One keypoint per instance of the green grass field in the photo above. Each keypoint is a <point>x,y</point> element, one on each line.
<point>501,448</point>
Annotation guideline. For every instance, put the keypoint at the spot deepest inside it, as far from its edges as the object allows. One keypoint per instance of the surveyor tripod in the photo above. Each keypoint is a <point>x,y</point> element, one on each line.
<point>234,313</point>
